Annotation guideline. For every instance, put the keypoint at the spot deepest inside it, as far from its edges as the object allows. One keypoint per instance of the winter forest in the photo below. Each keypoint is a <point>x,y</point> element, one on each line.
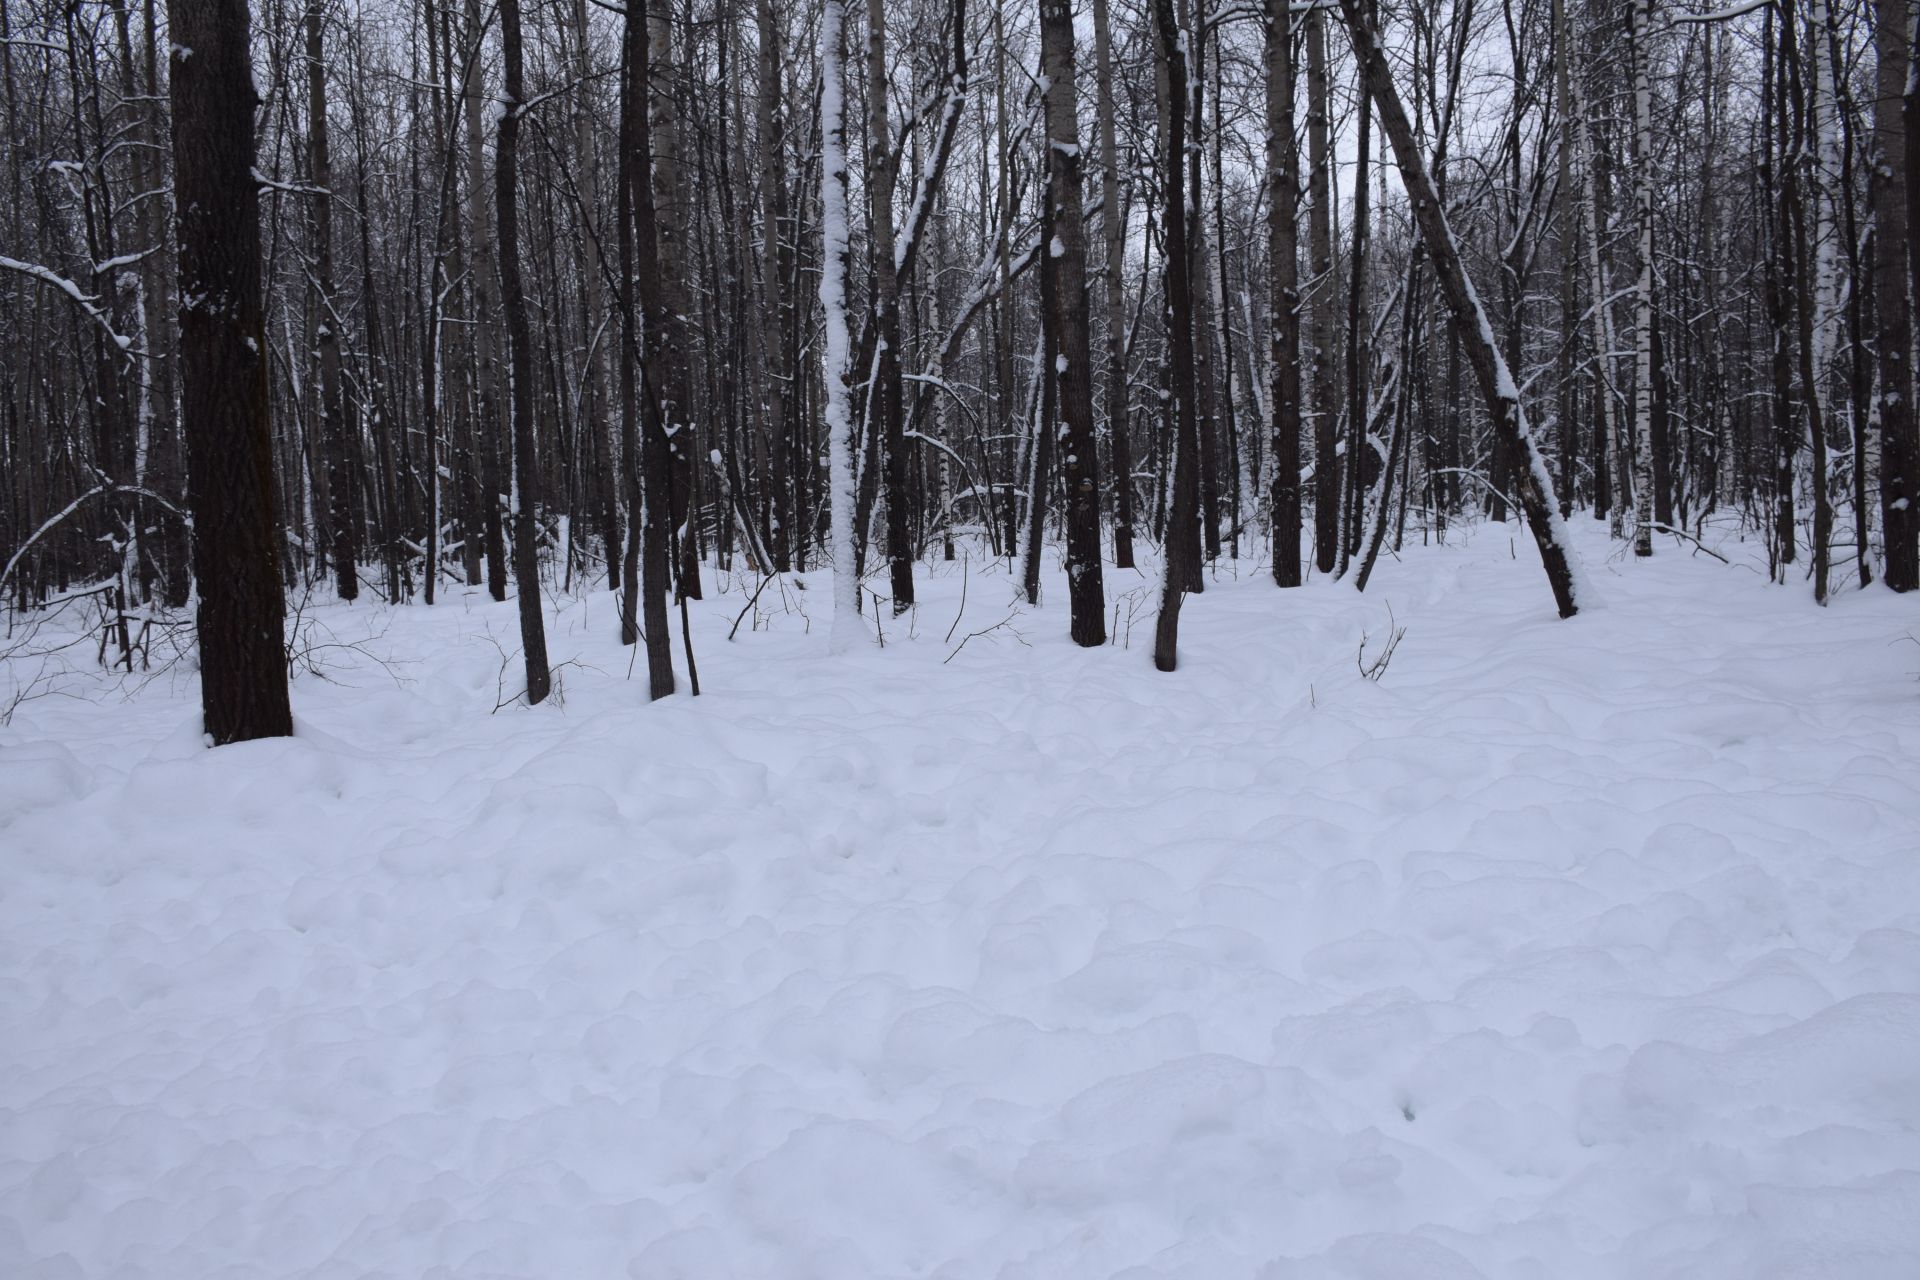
<point>786,638</point>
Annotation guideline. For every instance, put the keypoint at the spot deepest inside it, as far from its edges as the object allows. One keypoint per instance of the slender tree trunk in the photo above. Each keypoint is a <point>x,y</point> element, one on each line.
<point>1065,262</point>
<point>1489,366</point>
<point>886,394</point>
<point>1116,351</point>
<point>1326,417</point>
<point>486,274</point>
<point>1357,444</point>
<point>847,626</point>
<point>669,370</point>
<point>1283,262</point>
<point>1565,197</point>
<point>775,267</point>
<point>1643,287</point>
<point>242,611</point>
<point>1893,222</point>
<point>336,434</point>
<point>1179,305</point>
<point>648,571</point>
<point>526,469</point>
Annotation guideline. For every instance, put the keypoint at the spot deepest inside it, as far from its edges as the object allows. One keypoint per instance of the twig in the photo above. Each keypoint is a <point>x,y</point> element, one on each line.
<point>964,563</point>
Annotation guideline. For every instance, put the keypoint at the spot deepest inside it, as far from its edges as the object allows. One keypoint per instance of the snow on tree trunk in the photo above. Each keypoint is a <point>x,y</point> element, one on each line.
<point>1483,352</point>
<point>847,623</point>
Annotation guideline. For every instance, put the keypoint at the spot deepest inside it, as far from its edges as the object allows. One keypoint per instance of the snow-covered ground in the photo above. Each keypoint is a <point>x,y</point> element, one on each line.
<point>1567,949</point>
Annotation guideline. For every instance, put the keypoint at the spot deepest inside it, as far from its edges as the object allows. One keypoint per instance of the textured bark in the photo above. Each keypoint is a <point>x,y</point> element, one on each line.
<point>1893,224</point>
<point>1283,264</point>
<point>337,436</point>
<point>1568,253</point>
<point>1116,346</point>
<point>668,370</point>
<point>776,266</point>
<point>833,304</point>
<point>887,393</point>
<point>1065,261</point>
<point>1326,462</point>
<point>486,274</point>
<point>601,332</point>
<point>648,572</point>
<point>1179,316</point>
<point>513,302</point>
<point>242,610</point>
<point>1642,29</point>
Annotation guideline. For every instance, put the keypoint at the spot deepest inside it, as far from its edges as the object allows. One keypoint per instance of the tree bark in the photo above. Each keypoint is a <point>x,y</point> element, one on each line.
<point>1326,459</point>
<point>1065,261</point>
<point>242,610</point>
<point>1116,348</point>
<point>1893,221</point>
<point>1179,317</point>
<point>513,301</point>
<point>1283,264</point>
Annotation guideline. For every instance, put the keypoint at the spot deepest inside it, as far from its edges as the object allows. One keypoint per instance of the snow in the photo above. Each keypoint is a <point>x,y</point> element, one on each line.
<point>1576,949</point>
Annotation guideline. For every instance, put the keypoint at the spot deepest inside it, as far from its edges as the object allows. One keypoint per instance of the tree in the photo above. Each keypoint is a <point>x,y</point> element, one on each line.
<point>1115,232</point>
<point>1888,182</point>
<point>526,471</point>
<point>648,570</point>
<point>1497,386</point>
<point>1283,262</point>
<point>1066,261</point>
<point>847,625</point>
<point>223,386</point>
<point>1643,286</point>
<point>1180,569</point>
<point>1326,462</point>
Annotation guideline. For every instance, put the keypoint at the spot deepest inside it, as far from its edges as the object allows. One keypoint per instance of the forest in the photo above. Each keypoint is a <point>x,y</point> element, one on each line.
<point>563,293</point>
<point>1127,639</point>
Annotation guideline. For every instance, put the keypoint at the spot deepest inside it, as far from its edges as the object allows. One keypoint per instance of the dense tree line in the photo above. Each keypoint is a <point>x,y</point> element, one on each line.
<point>566,291</point>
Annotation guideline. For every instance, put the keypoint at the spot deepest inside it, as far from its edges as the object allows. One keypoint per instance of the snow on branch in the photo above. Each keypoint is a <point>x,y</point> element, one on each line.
<point>81,298</point>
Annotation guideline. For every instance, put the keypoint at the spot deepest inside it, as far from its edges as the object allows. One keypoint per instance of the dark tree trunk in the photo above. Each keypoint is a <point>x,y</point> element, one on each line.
<point>1065,262</point>
<point>1326,418</point>
<point>242,611</point>
<point>1893,225</point>
<point>526,470</point>
<point>338,438</point>
<point>648,571</point>
<point>1115,233</point>
<point>1179,305</point>
<point>1489,367</point>
<point>1283,202</point>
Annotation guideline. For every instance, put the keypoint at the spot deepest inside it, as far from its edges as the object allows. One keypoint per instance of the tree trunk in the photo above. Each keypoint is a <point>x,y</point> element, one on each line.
<point>847,625</point>
<point>1179,304</point>
<point>242,611</point>
<point>1326,461</point>
<point>1065,261</point>
<point>1483,353</point>
<point>486,274</point>
<point>648,571</point>
<point>776,265</point>
<point>1115,232</point>
<point>1283,264</point>
<point>1643,287</point>
<point>886,394</point>
<point>1893,220</point>
<point>526,469</point>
